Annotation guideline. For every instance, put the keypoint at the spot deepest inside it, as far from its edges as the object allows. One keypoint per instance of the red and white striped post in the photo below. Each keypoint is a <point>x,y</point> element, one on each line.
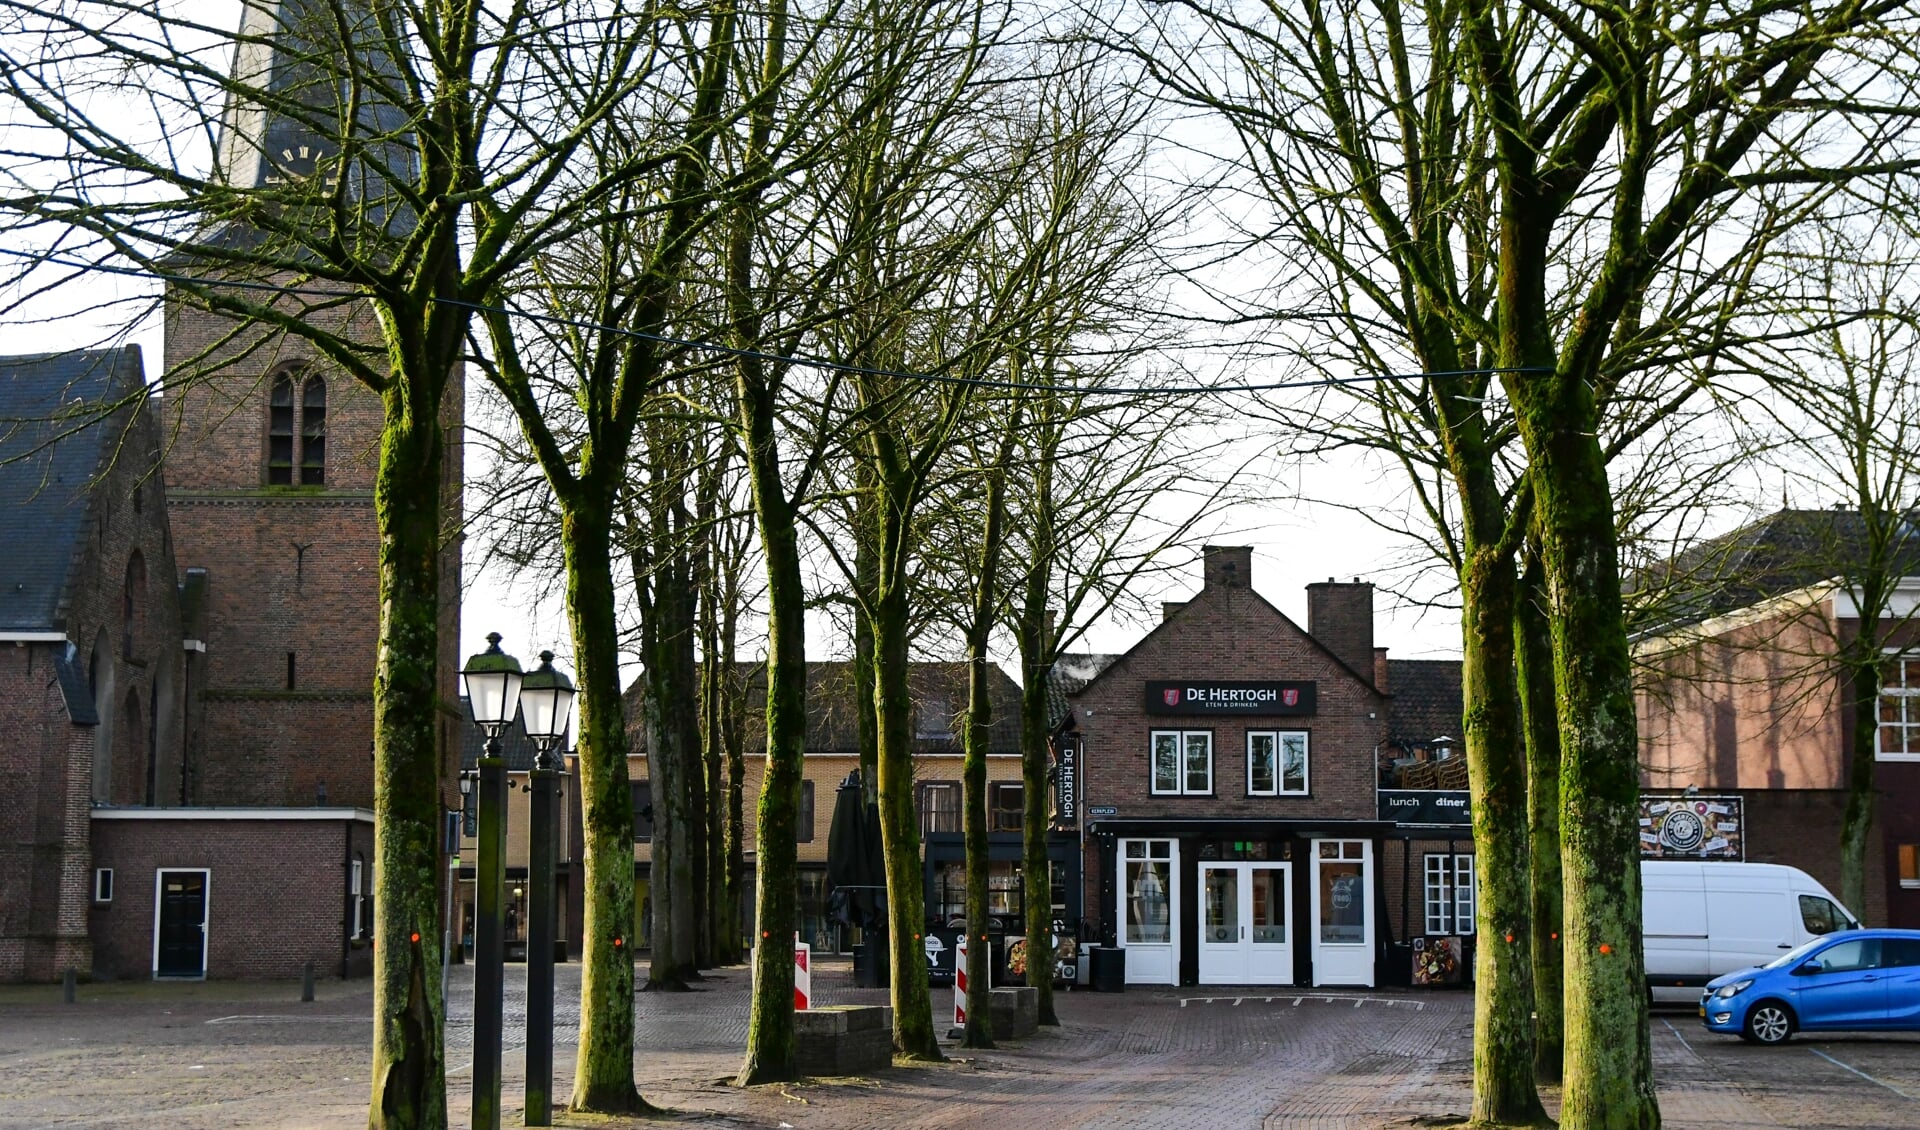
<point>802,975</point>
<point>960,983</point>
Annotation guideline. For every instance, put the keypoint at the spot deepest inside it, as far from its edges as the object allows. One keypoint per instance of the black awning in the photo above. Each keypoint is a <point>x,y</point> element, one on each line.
<point>1240,829</point>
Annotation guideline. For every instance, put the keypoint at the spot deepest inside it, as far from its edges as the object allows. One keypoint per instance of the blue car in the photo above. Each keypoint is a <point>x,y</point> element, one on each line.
<point>1853,981</point>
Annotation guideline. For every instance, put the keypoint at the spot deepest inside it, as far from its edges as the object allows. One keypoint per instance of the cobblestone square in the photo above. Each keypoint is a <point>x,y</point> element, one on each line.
<point>146,1056</point>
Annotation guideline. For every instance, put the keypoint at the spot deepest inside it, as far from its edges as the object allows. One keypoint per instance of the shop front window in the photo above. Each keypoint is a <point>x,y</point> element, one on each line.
<point>1149,886</point>
<point>1343,892</point>
<point>1449,894</point>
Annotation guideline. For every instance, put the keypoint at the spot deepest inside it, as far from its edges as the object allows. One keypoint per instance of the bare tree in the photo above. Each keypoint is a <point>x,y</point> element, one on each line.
<point>363,154</point>
<point>1846,399</point>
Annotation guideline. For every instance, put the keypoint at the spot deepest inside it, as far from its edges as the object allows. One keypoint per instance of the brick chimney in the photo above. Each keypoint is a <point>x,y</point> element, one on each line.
<point>1380,670</point>
<point>1227,566</point>
<point>1340,616</point>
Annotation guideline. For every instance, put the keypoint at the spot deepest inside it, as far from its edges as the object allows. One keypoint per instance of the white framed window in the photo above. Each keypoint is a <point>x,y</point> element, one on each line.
<point>1146,892</point>
<point>1183,762</point>
<point>1899,733</point>
<point>353,896</point>
<point>1276,763</point>
<point>103,884</point>
<point>1909,860</point>
<point>1449,894</point>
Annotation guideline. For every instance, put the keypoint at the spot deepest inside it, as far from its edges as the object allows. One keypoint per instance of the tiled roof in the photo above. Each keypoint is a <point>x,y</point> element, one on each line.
<point>1426,700</point>
<point>50,452</point>
<point>939,692</point>
<point>1786,550</point>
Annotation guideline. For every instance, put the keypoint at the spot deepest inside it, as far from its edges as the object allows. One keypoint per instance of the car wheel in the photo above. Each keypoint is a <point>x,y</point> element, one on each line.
<point>1768,1022</point>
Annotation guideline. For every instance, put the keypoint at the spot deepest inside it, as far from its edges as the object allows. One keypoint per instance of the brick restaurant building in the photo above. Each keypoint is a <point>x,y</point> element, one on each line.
<point>1231,769</point>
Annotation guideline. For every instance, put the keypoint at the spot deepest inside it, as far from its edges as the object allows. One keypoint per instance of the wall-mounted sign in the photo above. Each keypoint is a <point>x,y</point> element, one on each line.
<point>1691,827</point>
<point>1066,782</point>
<point>1425,806</point>
<point>1203,696</point>
<point>1097,810</point>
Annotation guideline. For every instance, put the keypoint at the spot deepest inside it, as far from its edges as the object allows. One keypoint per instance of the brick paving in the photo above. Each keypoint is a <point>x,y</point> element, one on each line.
<point>146,1057</point>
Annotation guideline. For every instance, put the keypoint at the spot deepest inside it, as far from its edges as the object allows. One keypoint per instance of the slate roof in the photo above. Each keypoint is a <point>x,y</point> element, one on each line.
<point>515,747</point>
<point>49,457</point>
<point>76,689</point>
<point>939,692</point>
<point>1071,672</point>
<point>1426,700</point>
<point>1784,551</point>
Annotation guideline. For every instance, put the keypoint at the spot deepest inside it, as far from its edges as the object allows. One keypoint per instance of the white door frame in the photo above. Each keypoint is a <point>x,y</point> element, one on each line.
<point>1232,954</point>
<point>206,917</point>
<point>1341,963</point>
<point>1171,948</point>
<point>1242,971</point>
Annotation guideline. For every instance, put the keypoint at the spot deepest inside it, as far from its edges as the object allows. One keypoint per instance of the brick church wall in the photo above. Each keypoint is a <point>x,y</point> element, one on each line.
<point>276,893</point>
<point>55,769</point>
<point>293,571</point>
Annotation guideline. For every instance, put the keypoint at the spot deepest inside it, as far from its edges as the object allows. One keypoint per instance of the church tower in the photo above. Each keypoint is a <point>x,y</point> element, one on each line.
<point>270,474</point>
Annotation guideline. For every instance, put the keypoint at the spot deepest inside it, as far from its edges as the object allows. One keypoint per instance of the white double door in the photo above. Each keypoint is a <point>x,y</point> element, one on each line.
<point>1244,935</point>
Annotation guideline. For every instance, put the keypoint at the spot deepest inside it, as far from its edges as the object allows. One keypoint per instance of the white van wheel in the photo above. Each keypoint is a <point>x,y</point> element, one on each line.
<point>1768,1022</point>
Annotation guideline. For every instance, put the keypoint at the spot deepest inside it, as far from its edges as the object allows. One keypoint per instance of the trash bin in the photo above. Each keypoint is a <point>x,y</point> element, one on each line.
<point>870,964</point>
<point>1107,969</point>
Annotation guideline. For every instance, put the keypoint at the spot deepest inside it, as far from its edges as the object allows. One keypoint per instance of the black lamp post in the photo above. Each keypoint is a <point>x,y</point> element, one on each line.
<point>493,696</point>
<point>546,702</point>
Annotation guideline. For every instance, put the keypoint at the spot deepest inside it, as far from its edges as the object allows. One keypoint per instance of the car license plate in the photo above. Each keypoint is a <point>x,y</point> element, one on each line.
<point>1703,1012</point>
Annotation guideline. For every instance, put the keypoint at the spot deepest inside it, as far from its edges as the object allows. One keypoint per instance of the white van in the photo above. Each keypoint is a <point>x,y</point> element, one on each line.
<point>1704,919</point>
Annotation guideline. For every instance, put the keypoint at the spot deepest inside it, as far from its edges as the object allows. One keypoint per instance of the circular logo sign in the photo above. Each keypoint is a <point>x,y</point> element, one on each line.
<point>1682,830</point>
<point>1343,891</point>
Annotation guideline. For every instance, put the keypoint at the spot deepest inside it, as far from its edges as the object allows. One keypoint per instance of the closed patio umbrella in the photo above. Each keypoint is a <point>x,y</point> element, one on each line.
<point>856,866</point>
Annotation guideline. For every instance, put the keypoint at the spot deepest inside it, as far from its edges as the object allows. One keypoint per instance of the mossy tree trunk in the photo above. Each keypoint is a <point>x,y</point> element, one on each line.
<point>667,628</point>
<point>409,1065</point>
<point>979,1031</point>
<point>1533,661</point>
<point>866,563</point>
<point>1503,1083</point>
<point>913,1031</point>
<point>603,1067</point>
<point>1608,1059</point>
<point>1036,667</point>
<point>1503,1068</point>
<point>769,1051</point>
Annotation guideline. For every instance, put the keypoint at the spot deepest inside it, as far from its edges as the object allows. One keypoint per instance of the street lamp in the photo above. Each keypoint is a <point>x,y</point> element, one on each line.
<point>546,702</point>
<point>493,697</point>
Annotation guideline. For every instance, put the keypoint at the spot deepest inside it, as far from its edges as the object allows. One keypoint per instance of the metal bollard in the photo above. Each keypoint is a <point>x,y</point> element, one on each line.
<point>67,980</point>
<point>306,984</point>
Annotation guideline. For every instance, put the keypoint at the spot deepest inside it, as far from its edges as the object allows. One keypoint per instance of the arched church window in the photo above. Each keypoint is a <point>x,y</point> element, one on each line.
<point>313,433</point>
<point>280,433</point>
<point>297,431</point>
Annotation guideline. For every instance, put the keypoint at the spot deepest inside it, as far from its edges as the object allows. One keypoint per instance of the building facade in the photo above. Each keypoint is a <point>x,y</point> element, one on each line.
<point>189,609</point>
<point>1745,716</point>
<point>939,695</point>
<point>1230,792</point>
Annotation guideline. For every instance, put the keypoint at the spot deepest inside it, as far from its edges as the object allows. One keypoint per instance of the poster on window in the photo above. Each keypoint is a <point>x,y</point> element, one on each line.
<point>1438,961</point>
<point>1692,827</point>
